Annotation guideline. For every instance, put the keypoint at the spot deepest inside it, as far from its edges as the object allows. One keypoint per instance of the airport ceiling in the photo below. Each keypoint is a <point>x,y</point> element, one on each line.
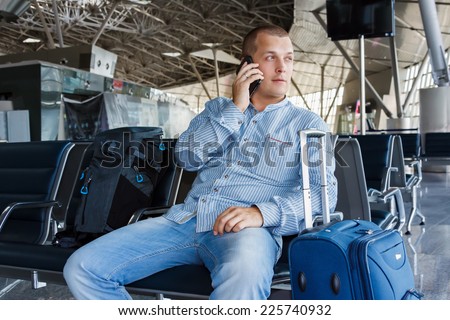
<point>168,44</point>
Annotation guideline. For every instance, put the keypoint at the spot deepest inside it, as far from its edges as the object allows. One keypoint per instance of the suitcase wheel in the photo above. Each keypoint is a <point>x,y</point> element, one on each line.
<point>335,283</point>
<point>301,281</point>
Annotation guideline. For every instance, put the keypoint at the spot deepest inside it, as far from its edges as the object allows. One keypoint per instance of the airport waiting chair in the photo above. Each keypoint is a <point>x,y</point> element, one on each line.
<point>353,199</point>
<point>436,150</point>
<point>412,150</point>
<point>42,176</point>
<point>377,153</point>
<point>437,147</point>
<point>405,153</point>
<point>30,175</point>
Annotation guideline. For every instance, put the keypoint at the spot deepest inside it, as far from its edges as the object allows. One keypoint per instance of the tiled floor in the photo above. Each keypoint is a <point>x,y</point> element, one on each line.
<point>430,244</point>
<point>428,249</point>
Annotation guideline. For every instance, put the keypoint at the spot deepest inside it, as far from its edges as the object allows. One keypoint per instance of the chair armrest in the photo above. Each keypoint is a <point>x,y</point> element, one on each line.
<point>417,172</point>
<point>152,212</point>
<point>413,162</point>
<point>386,181</point>
<point>395,195</point>
<point>25,205</point>
<point>371,192</point>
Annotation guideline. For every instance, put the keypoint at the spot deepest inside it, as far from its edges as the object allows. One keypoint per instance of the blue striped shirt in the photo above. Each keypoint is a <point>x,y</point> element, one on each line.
<point>246,159</point>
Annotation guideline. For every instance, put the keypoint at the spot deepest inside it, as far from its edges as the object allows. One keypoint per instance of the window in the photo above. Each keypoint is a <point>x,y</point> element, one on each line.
<point>313,102</point>
<point>426,81</point>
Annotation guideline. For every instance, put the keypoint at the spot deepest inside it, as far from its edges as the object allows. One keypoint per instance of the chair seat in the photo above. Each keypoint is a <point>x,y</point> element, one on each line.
<point>33,256</point>
<point>182,280</point>
<point>188,280</point>
<point>191,280</point>
<point>382,218</point>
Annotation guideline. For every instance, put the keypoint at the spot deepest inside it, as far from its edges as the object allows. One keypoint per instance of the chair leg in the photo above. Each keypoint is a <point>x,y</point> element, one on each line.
<point>159,296</point>
<point>414,210</point>
<point>422,217</point>
<point>35,283</point>
<point>410,219</point>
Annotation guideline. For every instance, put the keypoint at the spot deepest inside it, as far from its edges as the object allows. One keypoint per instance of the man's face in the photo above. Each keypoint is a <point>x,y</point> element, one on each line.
<point>275,56</point>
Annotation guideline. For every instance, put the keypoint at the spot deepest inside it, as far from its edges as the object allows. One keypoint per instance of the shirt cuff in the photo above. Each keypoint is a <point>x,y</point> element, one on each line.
<point>270,213</point>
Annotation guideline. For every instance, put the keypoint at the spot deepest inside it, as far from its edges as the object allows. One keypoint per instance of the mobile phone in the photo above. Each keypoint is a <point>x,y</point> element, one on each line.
<point>255,84</point>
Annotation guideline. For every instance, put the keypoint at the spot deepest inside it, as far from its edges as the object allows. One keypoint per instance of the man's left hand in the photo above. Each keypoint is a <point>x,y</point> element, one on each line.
<point>234,219</point>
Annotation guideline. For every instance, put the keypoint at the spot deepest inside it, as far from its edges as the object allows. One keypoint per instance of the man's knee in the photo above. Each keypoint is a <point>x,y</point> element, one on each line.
<point>75,266</point>
<point>71,267</point>
<point>241,281</point>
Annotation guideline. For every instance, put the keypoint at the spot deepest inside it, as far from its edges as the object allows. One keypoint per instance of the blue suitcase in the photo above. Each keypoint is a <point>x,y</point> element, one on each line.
<point>350,259</point>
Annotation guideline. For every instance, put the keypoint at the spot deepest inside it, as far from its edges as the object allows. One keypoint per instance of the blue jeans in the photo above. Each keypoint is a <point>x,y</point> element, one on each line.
<point>241,264</point>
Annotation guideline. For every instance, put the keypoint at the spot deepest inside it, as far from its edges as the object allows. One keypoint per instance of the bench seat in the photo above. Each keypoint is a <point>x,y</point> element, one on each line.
<point>45,263</point>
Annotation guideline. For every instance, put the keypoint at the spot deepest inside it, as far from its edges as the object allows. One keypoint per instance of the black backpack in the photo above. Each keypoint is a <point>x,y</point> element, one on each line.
<point>119,179</point>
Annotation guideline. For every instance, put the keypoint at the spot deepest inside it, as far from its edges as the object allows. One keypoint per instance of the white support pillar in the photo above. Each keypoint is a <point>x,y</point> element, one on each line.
<point>434,41</point>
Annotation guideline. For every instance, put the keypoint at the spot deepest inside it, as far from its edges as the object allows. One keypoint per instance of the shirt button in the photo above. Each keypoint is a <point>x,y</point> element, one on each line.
<point>203,200</point>
<point>226,176</point>
<point>215,189</point>
<point>239,162</point>
<point>245,139</point>
<point>254,121</point>
<point>239,122</point>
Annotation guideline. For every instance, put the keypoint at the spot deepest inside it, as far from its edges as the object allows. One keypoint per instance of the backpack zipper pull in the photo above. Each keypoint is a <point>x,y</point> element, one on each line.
<point>83,173</point>
<point>84,188</point>
<point>139,177</point>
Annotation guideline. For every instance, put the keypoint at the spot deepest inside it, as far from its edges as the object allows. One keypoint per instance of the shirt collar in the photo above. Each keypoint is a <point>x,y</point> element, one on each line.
<point>274,106</point>
<point>251,111</point>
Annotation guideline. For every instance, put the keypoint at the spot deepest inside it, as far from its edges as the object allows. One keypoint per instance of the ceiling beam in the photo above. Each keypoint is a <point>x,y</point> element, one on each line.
<point>51,43</point>
<point>57,25</point>
<point>105,21</point>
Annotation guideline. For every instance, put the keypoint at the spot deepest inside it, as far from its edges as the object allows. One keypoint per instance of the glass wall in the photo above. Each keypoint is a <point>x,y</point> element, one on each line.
<point>327,110</point>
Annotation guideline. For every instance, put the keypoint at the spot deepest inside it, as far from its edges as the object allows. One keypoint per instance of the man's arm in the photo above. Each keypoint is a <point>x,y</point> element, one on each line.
<point>285,214</point>
<point>209,134</point>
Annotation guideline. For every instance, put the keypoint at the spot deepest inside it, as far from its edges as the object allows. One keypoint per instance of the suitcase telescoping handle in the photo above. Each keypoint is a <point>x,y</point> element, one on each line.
<point>321,148</point>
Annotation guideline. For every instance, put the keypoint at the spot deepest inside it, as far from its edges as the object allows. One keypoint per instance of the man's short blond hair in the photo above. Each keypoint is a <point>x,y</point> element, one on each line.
<point>249,43</point>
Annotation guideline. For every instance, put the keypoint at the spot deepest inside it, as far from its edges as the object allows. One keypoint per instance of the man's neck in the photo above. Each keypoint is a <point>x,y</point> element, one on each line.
<point>260,103</point>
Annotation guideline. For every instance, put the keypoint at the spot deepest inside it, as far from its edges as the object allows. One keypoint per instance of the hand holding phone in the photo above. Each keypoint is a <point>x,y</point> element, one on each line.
<point>255,84</point>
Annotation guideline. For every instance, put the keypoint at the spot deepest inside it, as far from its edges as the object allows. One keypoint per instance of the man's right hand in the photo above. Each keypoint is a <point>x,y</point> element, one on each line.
<point>241,85</point>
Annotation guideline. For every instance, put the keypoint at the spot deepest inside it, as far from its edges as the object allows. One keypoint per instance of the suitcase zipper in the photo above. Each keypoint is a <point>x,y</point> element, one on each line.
<point>358,251</point>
